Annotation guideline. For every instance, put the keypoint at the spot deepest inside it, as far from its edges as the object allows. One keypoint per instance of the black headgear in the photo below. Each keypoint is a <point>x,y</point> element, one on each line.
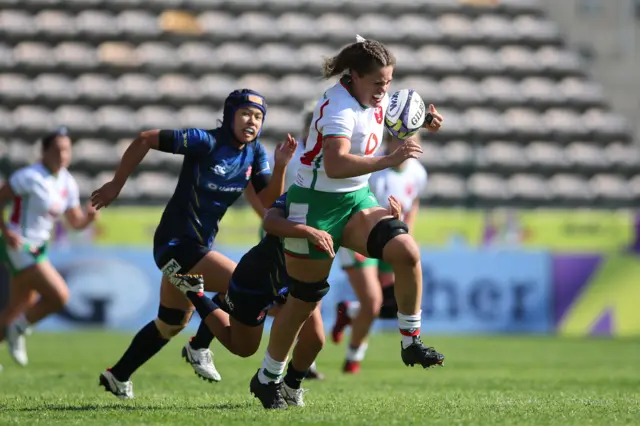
<point>238,99</point>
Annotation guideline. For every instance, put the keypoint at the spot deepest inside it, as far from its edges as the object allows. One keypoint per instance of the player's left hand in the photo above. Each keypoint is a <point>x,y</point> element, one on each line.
<point>284,151</point>
<point>104,195</point>
<point>91,211</point>
<point>436,122</point>
<point>395,208</point>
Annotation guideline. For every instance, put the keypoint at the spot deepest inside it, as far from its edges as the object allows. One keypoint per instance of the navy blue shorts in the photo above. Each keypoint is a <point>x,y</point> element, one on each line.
<point>178,256</point>
<point>252,291</point>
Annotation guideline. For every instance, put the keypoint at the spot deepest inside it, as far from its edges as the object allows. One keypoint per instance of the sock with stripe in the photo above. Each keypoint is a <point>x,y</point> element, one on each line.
<point>271,370</point>
<point>409,326</point>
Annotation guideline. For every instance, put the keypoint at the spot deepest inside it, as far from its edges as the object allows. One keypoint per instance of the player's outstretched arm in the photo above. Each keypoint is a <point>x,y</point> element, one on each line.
<point>340,164</point>
<point>269,190</point>
<point>275,223</point>
<point>254,201</point>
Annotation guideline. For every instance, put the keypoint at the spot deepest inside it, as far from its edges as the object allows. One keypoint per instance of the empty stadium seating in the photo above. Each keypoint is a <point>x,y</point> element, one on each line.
<point>524,123</point>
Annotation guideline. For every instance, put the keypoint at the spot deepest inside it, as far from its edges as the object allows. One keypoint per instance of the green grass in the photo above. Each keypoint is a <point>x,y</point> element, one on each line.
<point>505,380</point>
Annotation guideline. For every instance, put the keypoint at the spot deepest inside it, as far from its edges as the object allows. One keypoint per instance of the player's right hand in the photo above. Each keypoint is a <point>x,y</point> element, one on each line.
<point>395,208</point>
<point>104,195</point>
<point>322,240</point>
<point>12,238</point>
<point>409,149</point>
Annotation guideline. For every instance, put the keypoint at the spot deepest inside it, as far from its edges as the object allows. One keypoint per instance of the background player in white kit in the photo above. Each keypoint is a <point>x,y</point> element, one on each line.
<point>42,193</point>
<point>372,279</point>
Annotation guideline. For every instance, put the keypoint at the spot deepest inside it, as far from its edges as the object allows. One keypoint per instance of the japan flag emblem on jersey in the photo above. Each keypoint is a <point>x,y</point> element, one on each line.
<point>378,114</point>
<point>248,174</point>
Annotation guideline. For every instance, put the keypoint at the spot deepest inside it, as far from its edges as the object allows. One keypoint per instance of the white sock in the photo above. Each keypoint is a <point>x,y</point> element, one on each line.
<point>313,366</point>
<point>409,326</point>
<point>357,354</point>
<point>271,370</point>
<point>353,309</point>
<point>22,324</point>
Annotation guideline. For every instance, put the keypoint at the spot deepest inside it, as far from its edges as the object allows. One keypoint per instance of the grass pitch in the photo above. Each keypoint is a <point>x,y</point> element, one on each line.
<point>486,381</point>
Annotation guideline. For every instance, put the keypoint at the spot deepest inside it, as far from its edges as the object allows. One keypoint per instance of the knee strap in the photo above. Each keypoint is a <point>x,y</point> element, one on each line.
<point>308,292</point>
<point>382,233</point>
<point>172,316</point>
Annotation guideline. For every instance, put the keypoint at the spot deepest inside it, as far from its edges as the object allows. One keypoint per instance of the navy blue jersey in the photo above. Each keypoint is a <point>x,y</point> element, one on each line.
<point>262,269</point>
<point>214,174</point>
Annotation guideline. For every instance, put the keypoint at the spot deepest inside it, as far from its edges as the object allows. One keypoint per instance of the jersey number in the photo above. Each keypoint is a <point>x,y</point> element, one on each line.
<point>372,144</point>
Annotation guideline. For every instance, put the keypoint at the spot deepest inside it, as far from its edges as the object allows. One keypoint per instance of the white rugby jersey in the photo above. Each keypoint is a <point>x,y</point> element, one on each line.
<point>40,199</point>
<point>405,185</point>
<point>339,114</point>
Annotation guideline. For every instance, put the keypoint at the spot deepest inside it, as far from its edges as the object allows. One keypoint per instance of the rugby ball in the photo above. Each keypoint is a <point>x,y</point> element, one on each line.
<point>405,114</point>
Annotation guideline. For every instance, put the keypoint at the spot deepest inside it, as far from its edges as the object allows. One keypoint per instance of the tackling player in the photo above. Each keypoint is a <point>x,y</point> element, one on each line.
<point>332,194</point>
<point>217,167</point>
<point>41,193</point>
<point>372,279</point>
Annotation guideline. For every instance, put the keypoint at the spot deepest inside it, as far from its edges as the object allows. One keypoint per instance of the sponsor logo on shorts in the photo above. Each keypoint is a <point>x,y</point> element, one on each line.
<point>228,301</point>
<point>261,316</point>
<point>171,267</point>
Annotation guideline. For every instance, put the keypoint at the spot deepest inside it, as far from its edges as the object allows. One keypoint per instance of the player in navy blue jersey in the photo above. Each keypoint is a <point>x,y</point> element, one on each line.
<point>258,287</point>
<point>217,167</point>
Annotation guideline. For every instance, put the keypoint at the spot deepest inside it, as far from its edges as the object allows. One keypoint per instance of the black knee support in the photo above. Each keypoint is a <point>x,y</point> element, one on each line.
<point>382,233</point>
<point>171,316</point>
<point>308,292</point>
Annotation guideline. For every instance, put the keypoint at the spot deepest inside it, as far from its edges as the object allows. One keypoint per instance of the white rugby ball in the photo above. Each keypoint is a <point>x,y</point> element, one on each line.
<point>405,114</point>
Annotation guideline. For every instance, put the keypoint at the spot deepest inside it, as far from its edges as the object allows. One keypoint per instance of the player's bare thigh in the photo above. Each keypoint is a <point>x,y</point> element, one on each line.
<point>356,232</point>
<point>308,270</point>
<point>44,279</point>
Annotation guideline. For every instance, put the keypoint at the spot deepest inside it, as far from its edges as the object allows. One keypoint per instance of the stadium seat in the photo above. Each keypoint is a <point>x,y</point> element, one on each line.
<point>446,187</point>
<point>16,88</point>
<point>298,28</point>
<point>216,87</point>
<point>116,119</point>
<point>501,154</point>
<point>198,56</point>
<point>221,25</point>
<point>155,117</point>
<point>501,92</point>
<point>137,87</point>
<point>622,156</point>
<point>496,30</point>
<point>75,117</point>
<point>439,59</point>
<point>480,60</point>
<point>16,24</point>
<point>584,155</point>
<point>458,29</point>
<point>6,121</point>
<point>93,153</point>
<point>486,123</point>
<point>336,28</point>
<point>519,60</point>
<point>32,118</point>
<point>415,29</point>
<point>156,185</point>
<point>569,188</point>
<point>546,155</point>
<point>138,23</point>
<point>274,57</point>
<point>30,54</point>
<point>457,153</point>
<point>76,55</point>
<point>488,188</point>
<point>120,54</point>
<point>236,57</point>
<point>462,91</point>
<point>55,23</point>
<point>156,54</point>
<point>266,85</point>
<point>179,22</point>
<point>581,92</point>
<point>22,153</point>
<point>536,31</point>
<point>528,188</point>
<point>609,187</point>
<point>97,24</point>
<point>177,88</point>
<point>96,87</point>
<point>525,122</point>
<point>199,117</point>
<point>129,191</point>
<point>541,92</point>
<point>558,61</point>
<point>85,184</point>
<point>55,88</point>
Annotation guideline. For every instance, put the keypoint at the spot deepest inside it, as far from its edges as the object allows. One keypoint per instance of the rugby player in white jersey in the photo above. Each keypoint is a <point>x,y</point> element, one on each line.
<point>331,193</point>
<point>372,279</point>
<point>290,177</point>
<point>41,193</point>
